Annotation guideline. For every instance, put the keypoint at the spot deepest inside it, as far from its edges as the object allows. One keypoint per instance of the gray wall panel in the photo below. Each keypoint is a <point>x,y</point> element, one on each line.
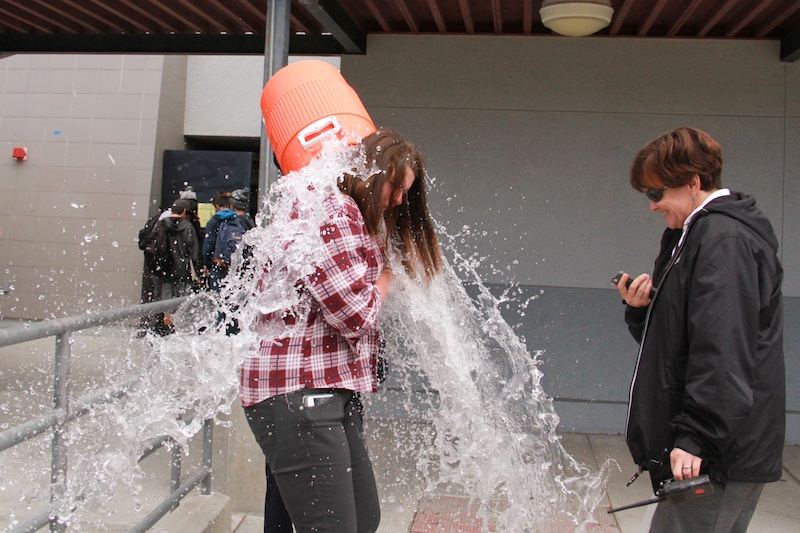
<point>546,194</point>
<point>791,237</point>
<point>576,75</point>
<point>793,89</point>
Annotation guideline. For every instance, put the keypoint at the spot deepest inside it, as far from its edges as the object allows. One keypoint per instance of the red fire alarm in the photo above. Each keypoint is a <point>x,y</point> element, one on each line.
<point>20,153</point>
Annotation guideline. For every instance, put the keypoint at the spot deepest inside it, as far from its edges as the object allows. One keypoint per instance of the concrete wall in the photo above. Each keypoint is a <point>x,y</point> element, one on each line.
<point>530,141</point>
<point>224,93</point>
<point>73,208</point>
<point>222,97</point>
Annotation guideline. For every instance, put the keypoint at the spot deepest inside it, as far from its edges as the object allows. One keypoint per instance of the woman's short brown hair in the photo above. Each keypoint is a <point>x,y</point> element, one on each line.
<point>675,158</point>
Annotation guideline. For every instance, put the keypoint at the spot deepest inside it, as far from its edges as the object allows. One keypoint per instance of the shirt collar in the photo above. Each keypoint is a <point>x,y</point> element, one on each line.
<point>714,195</point>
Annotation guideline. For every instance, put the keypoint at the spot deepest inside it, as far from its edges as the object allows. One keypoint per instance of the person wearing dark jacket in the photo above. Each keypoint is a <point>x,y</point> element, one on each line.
<point>222,205</point>
<point>180,277</point>
<point>708,391</point>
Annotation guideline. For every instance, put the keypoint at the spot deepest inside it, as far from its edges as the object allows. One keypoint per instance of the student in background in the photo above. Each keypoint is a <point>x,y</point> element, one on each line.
<point>222,206</point>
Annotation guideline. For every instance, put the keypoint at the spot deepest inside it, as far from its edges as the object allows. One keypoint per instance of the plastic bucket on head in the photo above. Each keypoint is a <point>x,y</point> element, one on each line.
<point>306,103</point>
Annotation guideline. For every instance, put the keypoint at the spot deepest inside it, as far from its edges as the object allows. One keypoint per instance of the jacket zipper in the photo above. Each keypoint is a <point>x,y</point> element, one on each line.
<point>672,262</point>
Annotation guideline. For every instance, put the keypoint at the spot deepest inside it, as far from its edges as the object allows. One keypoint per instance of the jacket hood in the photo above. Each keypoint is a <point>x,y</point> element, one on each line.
<point>743,208</point>
<point>175,225</point>
<point>225,214</point>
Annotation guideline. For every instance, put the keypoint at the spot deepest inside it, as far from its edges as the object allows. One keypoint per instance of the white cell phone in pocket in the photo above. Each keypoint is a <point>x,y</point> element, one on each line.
<point>313,400</point>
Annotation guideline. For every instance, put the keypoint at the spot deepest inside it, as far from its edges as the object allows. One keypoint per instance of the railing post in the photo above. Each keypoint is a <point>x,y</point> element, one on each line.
<point>175,469</point>
<point>208,441</point>
<point>58,469</point>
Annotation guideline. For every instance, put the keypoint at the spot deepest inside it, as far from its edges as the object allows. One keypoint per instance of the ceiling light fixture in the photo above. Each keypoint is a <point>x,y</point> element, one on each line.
<point>576,18</point>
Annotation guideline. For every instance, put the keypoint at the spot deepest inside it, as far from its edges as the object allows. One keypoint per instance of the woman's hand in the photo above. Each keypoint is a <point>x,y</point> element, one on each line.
<point>684,464</point>
<point>383,282</point>
<point>638,294</point>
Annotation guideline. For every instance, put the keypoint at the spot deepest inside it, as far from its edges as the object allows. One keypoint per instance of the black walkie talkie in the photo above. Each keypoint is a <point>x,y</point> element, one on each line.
<point>676,491</point>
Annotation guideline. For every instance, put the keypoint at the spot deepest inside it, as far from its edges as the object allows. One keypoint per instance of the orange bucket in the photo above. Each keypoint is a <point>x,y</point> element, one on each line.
<point>305,103</point>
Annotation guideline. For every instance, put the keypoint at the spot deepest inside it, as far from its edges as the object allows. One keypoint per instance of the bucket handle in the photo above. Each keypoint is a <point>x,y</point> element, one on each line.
<point>316,131</point>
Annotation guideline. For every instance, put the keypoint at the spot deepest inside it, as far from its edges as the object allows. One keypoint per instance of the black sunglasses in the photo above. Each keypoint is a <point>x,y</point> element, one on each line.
<point>656,195</point>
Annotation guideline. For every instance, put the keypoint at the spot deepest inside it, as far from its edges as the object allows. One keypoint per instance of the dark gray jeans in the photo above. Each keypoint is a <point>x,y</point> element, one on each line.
<point>728,510</point>
<point>313,441</point>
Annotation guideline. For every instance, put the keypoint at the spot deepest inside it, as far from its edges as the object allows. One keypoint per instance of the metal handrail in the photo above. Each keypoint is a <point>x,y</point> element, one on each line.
<point>60,326</point>
<point>63,413</point>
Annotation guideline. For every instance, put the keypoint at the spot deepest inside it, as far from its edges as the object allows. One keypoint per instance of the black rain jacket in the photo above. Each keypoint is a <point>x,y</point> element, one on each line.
<point>183,248</point>
<point>710,374</point>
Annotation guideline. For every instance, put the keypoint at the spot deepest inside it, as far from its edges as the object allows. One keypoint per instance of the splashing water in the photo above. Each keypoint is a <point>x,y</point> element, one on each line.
<point>487,383</point>
<point>495,428</point>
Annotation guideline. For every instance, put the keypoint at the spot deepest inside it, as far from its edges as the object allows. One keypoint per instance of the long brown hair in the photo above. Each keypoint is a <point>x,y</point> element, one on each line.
<point>409,227</point>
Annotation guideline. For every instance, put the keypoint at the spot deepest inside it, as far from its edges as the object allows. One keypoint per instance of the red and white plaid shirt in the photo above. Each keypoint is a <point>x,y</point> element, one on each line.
<point>337,346</point>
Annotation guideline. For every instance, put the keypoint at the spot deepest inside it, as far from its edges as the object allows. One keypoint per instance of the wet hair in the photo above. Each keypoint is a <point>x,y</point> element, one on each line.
<point>409,227</point>
<point>675,158</point>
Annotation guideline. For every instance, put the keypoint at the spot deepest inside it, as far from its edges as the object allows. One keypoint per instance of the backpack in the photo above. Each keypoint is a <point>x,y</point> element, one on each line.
<point>144,233</point>
<point>229,235</point>
<point>157,254</point>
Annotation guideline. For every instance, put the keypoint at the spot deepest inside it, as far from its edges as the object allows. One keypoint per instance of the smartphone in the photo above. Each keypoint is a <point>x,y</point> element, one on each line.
<point>313,400</point>
<point>618,276</point>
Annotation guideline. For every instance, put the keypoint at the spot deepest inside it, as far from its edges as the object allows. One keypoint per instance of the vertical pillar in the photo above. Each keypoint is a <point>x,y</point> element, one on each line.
<point>175,455</point>
<point>208,446</point>
<point>276,56</point>
<point>58,468</point>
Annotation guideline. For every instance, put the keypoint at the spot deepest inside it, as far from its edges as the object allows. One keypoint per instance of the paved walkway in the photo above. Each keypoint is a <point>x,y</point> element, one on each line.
<point>777,511</point>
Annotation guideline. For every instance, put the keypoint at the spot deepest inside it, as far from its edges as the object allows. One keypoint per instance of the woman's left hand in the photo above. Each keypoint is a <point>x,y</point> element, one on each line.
<point>638,294</point>
<point>684,464</point>
<point>383,281</point>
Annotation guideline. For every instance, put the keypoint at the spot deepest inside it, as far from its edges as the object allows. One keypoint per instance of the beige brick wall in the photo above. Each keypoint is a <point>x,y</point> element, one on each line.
<point>91,125</point>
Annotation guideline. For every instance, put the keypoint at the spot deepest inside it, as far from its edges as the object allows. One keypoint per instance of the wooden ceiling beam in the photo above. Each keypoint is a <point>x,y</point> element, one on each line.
<point>716,18</point>
<point>676,27</point>
<point>132,21</point>
<point>764,31</point>
<point>212,22</point>
<point>747,19</point>
<point>134,5</point>
<point>527,17</point>
<point>299,25</point>
<point>497,16</point>
<point>337,22</point>
<point>412,25</point>
<point>619,17</point>
<point>651,18</point>
<point>24,25</point>
<point>41,20</point>
<point>378,16</point>
<point>437,16</point>
<point>189,24</point>
<point>467,15</point>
